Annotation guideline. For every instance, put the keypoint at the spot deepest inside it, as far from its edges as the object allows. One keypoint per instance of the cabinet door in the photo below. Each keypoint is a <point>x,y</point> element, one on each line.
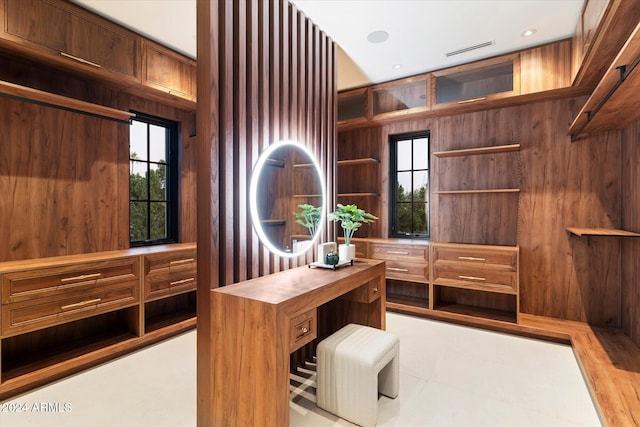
<point>71,35</point>
<point>168,71</point>
<point>591,16</point>
<point>484,80</point>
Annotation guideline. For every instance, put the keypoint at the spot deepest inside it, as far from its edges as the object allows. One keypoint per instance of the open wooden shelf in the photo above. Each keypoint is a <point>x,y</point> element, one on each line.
<point>28,94</point>
<point>363,161</point>
<point>303,165</point>
<point>358,194</point>
<point>274,163</point>
<point>307,195</point>
<point>483,287</point>
<point>497,190</point>
<point>601,232</point>
<point>614,102</point>
<point>469,310</point>
<point>481,150</point>
<point>273,222</point>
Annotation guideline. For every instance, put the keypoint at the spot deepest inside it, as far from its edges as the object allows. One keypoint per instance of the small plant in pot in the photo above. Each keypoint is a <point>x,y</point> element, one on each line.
<point>309,217</point>
<point>351,219</point>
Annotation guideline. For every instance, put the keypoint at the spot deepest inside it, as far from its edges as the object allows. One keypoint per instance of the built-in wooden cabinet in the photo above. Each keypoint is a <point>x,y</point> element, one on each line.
<point>169,72</point>
<point>475,280</point>
<point>396,98</point>
<point>61,314</point>
<point>62,33</point>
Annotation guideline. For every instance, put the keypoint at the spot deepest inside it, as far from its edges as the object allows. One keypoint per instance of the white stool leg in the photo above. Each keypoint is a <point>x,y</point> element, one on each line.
<point>389,377</point>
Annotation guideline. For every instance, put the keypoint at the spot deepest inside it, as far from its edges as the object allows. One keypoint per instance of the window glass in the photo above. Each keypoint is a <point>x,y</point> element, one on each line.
<point>409,178</point>
<point>153,177</point>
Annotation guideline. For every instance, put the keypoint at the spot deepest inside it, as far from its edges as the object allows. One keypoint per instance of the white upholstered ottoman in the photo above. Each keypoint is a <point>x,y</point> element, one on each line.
<point>353,365</point>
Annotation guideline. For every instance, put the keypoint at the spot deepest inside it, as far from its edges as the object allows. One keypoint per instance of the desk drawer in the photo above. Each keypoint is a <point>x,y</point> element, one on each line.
<point>170,283</point>
<point>302,329</point>
<point>56,281</point>
<point>38,313</point>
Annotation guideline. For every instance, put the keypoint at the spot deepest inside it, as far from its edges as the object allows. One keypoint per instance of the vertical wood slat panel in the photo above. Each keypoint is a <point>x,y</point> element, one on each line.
<point>276,70</point>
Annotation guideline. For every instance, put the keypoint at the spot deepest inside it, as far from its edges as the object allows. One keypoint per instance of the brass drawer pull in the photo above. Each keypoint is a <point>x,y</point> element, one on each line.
<point>479,279</point>
<point>467,101</point>
<point>181,261</point>
<point>80,304</point>
<point>404,270</point>
<point>181,282</point>
<point>81,277</point>
<point>471,258</point>
<point>304,330</point>
<point>375,290</point>
<point>398,252</point>
<point>81,60</point>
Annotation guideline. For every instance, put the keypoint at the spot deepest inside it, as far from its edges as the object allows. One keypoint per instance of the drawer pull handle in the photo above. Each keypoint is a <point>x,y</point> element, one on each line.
<point>398,252</point>
<point>81,277</point>
<point>80,304</point>
<point>375,290</point>
<point>304,329</point>
<point>479,279</point>
<point>183,281</point>
<point>471,258</point>
<point>467,101</point>
<point>181,261</point>
<point>81,60</point>
<point>404,270</point>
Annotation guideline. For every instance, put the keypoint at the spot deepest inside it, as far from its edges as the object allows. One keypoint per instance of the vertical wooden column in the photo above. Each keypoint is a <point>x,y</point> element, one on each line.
<point>265,73</point>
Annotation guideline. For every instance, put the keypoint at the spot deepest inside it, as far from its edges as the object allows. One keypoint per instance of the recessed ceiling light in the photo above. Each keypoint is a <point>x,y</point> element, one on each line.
<point>378,36</point>
<point>396,66</point>
<point>529,32</point>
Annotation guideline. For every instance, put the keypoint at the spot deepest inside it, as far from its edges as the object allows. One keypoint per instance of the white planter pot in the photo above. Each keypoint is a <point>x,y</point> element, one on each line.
<point>347,253</point>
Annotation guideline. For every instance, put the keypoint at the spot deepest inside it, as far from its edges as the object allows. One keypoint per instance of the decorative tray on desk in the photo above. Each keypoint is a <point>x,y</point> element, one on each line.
<point>332,267</point>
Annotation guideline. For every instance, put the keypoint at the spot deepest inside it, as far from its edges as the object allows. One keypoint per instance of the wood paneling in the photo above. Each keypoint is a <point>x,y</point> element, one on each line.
<point>546,67</point>
<point>565,185</point>
<point>631,221</point>
<point>265,73</point>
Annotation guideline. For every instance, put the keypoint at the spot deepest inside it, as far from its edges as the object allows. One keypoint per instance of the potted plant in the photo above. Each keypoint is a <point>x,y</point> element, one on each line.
<point>308,217</point>
<point>351,218</point>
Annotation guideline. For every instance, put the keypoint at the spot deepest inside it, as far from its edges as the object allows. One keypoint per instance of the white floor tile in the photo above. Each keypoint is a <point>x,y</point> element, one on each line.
<point>449,376</point>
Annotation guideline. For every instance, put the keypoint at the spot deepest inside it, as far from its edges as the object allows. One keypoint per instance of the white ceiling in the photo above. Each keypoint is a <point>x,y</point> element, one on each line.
<point>420,31</point>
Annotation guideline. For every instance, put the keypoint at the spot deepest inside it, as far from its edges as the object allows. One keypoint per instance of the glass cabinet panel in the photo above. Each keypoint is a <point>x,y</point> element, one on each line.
<point>464,83</point>
<point>399,97</point>
<point>351,105</point>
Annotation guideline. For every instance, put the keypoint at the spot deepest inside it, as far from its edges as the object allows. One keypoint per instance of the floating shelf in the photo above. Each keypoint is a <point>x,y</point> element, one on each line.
<point>497,190</point>
<point>364,161</point>
<point>358,194</point>
<point>273,222</point>
<point>601,232</point>
<point>480,150</point>
<point>614,102</point>
<point>275,163</point>
<point>27,94</point>
<point>307,195</point>
<point>303,165</point>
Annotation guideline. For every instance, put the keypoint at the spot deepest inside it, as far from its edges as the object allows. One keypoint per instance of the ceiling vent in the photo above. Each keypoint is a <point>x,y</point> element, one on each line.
<point>467,49</point>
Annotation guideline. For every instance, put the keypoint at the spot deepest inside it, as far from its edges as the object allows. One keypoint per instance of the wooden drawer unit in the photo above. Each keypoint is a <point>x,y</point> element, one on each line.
<point>403,262</point>
<point>488,268</point>
<point>169,273</point>
<point>302,329</point>
<point>38,298</point>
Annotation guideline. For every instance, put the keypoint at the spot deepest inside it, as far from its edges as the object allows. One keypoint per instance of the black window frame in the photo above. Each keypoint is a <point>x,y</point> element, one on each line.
<point>393,186</point>
<point>172,161</point>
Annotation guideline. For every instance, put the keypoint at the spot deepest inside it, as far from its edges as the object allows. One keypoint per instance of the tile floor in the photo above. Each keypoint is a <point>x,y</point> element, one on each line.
<point>450,376</point>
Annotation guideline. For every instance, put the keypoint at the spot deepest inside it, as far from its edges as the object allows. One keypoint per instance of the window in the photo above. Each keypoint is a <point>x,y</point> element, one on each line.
<point>153,181</point>
<point>409,179</point>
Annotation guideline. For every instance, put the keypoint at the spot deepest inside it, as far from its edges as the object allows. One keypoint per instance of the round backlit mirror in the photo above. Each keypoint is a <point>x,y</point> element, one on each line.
<point>287,198</point>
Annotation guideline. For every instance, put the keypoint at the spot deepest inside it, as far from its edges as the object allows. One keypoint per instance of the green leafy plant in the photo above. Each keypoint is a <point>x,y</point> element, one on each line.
<point>351,218</point>
<point>309,217</point>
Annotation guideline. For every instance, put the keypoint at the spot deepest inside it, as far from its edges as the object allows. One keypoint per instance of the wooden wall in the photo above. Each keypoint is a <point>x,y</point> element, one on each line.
<point>562,184</point>
<point>631,221</point>
<point>265,73</point>
<point>65,175</point>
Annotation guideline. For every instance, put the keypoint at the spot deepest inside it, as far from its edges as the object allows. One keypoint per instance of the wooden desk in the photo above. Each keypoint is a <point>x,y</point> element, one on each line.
<point>257,324</point>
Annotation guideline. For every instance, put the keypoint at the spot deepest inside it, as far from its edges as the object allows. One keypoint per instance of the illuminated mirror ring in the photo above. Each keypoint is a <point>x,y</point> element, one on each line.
<point>272,197</point>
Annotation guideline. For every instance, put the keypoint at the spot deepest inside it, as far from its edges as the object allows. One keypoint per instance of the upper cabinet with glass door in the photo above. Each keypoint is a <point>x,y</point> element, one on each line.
<point>481,81</point>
